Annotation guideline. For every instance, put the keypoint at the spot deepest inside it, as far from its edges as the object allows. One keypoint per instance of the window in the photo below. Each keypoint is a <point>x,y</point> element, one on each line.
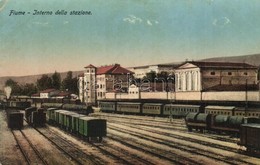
<point>212,73</point>
<point>229,73</point>
<point>245,73</point>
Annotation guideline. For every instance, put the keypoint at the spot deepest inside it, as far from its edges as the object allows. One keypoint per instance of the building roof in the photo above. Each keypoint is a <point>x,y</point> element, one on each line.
<point>90,66</point>
<point>173,65</point>
<point>63,93</point>
<point>226,65</point>
<point>234,87</point>
<point>112,69</point>
<point>48,90</point>
<point>81,75</point>
<point>36,94</point>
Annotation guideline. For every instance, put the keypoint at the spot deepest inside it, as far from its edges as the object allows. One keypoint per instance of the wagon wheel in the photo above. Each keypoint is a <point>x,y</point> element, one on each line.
<point>100,139</point>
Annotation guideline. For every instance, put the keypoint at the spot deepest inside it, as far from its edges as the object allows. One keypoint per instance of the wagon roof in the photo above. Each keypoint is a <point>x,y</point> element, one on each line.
<point>152,104</point>
<point>66,112</point>
<point>220,107</point>
<point>182,105</point>
<point>251,125</point>
<point>88,118</point>
<point>128,103</point>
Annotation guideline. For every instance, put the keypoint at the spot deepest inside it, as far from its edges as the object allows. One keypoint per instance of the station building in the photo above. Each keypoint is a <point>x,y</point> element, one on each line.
<point>205,76</point>
<point>141,71</point>
<point>95,82</point>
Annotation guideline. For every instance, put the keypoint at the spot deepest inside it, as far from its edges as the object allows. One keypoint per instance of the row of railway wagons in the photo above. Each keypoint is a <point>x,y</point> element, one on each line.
<point>82,125</point>
<point>19,105</point>
<point>82,109</point>
<point>248,128</point>
<point>177,110</point>
<point>219,123</point>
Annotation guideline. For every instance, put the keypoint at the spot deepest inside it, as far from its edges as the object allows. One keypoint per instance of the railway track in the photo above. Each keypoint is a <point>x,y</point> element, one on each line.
<point>153,151</point>
<point>29,151</point>
<point>120,155</point>
<point>70,149</point>
<point>171,134</point>
<point>175,125</point>
<point>178,143</point>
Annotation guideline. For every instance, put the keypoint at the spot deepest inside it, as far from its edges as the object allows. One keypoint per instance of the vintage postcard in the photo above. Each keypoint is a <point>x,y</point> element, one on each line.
<point>129,82</point>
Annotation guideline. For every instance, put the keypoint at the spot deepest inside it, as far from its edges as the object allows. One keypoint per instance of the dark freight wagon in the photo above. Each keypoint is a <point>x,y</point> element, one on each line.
<point>15,120</point>
<point>198,121</point>
<point>38,118</point>
<point>92,127</point>
<point>28,113</point>
<point>250,137</point>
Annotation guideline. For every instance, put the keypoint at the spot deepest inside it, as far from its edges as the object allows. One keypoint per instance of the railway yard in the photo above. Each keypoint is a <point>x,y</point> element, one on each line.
<point>130,140</point>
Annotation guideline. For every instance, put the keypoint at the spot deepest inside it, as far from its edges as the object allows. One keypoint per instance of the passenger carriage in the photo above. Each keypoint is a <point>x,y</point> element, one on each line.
<point>129,107</point>
<point>180,110</point>
<point>249,112</point>
<point>107,106</point>
<point>220,110</point>
<point>152,108</point>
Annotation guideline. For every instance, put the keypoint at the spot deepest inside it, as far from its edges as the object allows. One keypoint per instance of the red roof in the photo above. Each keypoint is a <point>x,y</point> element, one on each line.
<point>81,75</point>
<point>90,66</point>
<point>48,90</point>
<point>112,69</point>
<point>63,93</point>
<point>36,94</point>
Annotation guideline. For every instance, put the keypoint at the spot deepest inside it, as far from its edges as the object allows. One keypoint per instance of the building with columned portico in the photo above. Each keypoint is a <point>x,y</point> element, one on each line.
<point>204,76</point>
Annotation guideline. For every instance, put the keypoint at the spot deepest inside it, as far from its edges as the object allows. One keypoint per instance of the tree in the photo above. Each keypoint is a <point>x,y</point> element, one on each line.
<point>70,83</point>
<point>150,76</point>
<point>16,89</point>
<point>56,80</point>
<point>44,82</point>
<point>28,89</point>
<point>163,75</point>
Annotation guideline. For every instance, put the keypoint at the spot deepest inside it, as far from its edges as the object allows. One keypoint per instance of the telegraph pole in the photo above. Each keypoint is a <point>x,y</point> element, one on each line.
<point>246,99</point>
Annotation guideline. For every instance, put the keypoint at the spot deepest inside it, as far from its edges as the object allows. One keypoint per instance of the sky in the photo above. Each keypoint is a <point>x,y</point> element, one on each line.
<point>128,32</point>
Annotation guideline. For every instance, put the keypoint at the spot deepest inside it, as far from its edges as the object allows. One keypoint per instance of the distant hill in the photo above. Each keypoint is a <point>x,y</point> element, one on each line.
<point>250,59</point>
<point>32,78</point>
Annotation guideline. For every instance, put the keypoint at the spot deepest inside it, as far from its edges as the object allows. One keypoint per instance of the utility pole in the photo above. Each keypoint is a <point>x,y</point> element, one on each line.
<point>246,99</point>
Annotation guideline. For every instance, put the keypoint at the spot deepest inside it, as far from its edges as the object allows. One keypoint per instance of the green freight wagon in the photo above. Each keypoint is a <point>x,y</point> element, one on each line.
<point>63,118</point>
<point>59,117</point>
<point>68,120</point>
<point>74,122</point>
<point>91,127</point>
<point>51,115</point>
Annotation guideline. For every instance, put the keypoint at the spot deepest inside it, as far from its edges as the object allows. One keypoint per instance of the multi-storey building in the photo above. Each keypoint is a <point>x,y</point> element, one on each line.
<point>141,71</point>
<point>95,82</point>
<point>203,76</point>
